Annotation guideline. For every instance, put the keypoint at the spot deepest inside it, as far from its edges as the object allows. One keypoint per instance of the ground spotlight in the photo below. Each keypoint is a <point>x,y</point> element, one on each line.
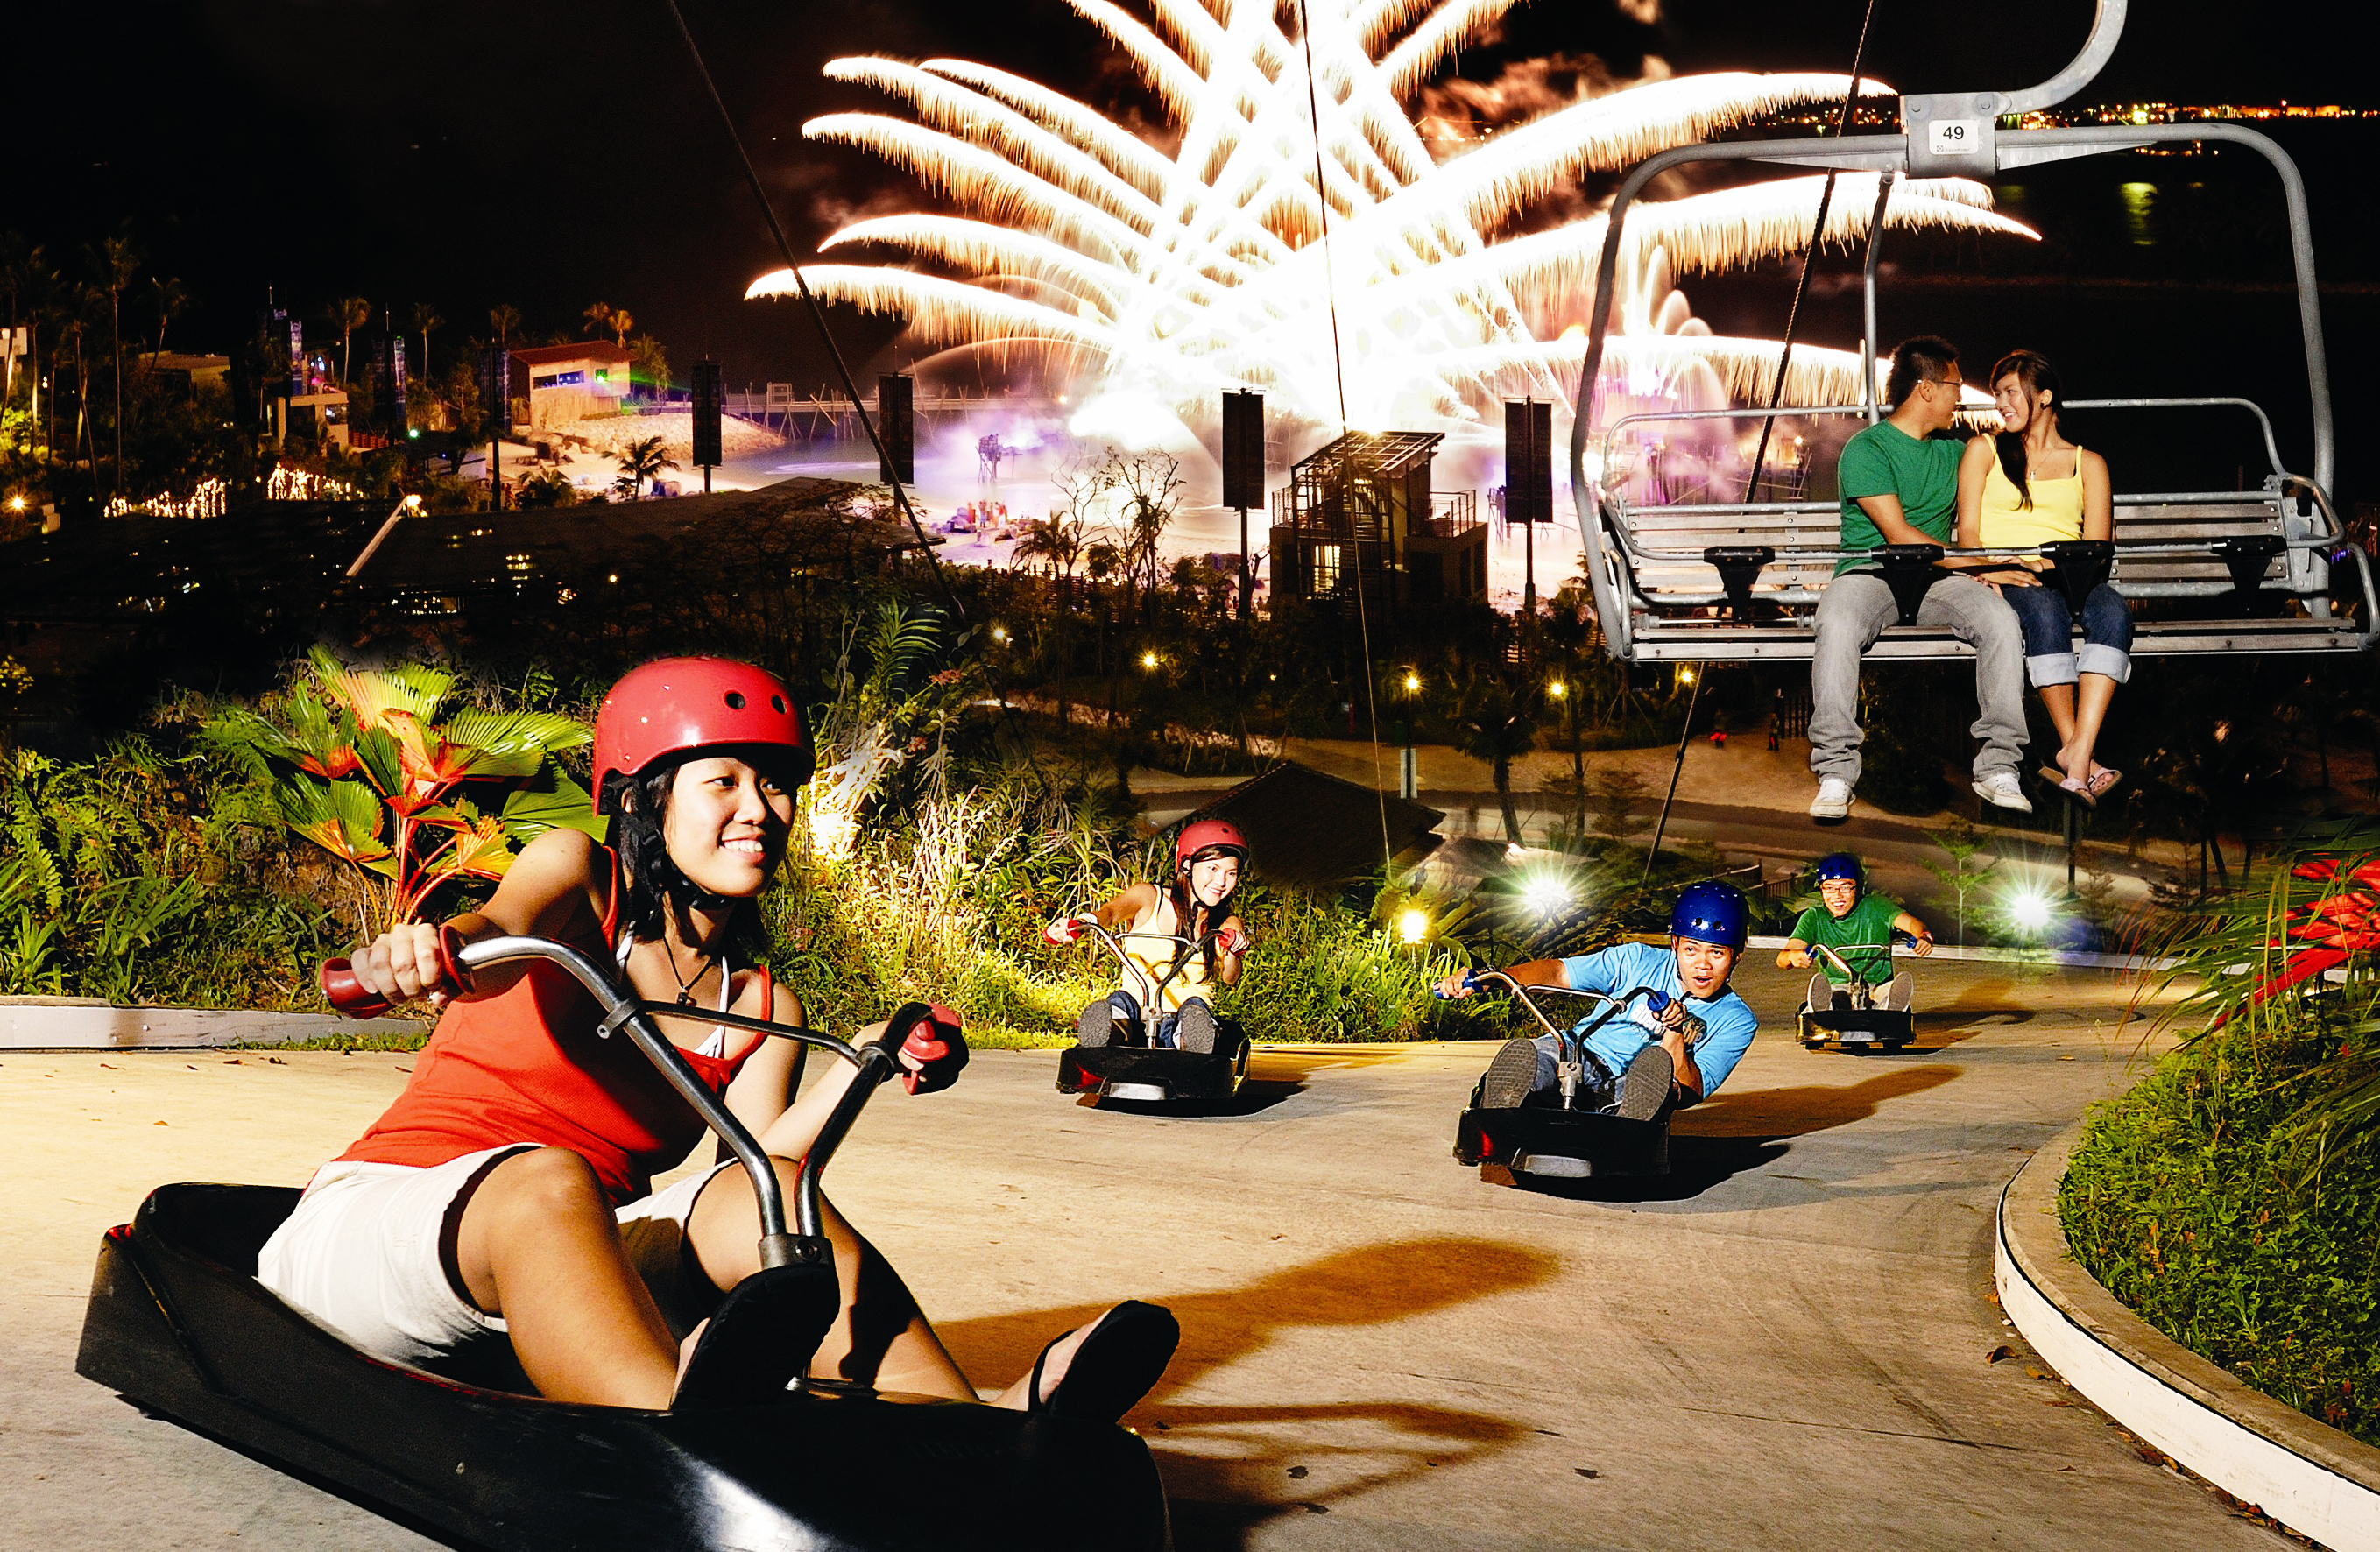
<point>1546,893</point>
<point>1148,659</point>
<point>1556,689</point>
<point>1413,925</point>
<point>2029,909</point>
<point>1000,633</point>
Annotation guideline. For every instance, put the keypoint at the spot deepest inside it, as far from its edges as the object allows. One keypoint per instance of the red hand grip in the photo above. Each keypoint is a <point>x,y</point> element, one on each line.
<point>344,991</point>
<point>348,993</point>
<point>938,1042</point>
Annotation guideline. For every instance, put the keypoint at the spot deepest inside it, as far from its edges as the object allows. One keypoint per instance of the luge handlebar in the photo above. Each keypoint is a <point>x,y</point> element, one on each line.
<point>1899,939</point>
<point>875,1060</point>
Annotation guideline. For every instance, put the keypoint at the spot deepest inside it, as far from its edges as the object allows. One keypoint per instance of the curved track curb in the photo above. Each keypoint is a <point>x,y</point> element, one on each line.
<point>2315,1479</point>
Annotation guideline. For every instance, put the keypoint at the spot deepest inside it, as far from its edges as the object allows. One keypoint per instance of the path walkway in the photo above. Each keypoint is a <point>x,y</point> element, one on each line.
<point>1788,1344</point>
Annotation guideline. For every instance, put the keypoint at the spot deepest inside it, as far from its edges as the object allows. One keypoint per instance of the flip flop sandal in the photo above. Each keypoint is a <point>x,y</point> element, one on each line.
<point>761,1340</point>
<point>1117,1361</point>
<point>2103,782</point>
<point>2078,790</point>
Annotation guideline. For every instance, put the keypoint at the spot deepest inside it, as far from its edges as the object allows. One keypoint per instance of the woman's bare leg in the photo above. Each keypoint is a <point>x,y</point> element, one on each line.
<point>2097,693</point>
<point>2059,701</point>
<point>539,1245</point>
<point>881,1338</point>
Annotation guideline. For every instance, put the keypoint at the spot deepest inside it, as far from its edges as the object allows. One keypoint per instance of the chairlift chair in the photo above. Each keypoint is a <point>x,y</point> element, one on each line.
<point>2269,569</point>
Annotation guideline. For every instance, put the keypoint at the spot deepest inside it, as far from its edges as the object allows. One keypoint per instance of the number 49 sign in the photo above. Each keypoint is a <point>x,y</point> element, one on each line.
<point>1954,137</point>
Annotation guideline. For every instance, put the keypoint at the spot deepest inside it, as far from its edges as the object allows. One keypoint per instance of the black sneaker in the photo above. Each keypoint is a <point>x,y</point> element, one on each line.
<point>1644,1088</point>
<point>1096,1024</point>
<point>1194,1028</point>
<point>1511,1076</point>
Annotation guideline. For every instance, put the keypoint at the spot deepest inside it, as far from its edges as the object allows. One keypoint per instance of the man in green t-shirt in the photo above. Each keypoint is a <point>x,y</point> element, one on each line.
<point>1899,484</point>
<point>1850,917</point>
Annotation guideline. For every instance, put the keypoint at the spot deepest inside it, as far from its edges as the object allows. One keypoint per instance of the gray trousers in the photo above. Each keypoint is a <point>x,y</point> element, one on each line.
<point>1856,609</point>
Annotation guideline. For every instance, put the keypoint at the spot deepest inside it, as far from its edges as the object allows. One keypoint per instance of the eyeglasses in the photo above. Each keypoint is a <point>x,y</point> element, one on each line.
<point>1952,383</point>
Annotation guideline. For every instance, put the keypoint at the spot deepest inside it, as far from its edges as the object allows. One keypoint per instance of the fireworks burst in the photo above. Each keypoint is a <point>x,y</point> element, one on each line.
<point>1158,281</point>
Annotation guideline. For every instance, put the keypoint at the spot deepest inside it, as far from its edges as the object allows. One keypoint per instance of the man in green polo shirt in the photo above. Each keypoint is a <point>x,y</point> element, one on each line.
<point>1900,483</point>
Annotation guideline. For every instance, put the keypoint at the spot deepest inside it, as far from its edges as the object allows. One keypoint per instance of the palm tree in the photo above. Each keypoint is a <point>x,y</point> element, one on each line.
<point>118,264</point>
<point>641,462</point>
<point>622,321</point>
<point>347,315</point>
<point>1497,723</point>
<point>172,302</point>
<point>13,253</point>
<point>599,317</point>
<point>425,318</point>
<point>504,318</point>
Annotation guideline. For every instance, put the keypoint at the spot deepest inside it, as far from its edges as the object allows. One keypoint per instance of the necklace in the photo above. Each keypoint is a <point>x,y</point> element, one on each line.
<point>685,984</point>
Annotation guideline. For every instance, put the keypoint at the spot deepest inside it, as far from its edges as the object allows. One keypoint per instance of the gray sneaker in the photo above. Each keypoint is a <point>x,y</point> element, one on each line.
<point>1512,1076</point>
<point>1194,1029</point>
<point>1096,1024</point>
<point>1644,1088</point>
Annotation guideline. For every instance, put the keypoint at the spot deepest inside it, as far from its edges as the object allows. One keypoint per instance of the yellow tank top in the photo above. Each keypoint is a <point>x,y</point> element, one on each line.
<point>2056,513</point>
<point>1153,957</point>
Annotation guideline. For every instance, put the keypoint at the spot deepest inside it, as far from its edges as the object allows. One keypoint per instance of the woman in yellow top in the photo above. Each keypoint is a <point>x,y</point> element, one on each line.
<point>1165,1001</point>
<point>2027,486</point>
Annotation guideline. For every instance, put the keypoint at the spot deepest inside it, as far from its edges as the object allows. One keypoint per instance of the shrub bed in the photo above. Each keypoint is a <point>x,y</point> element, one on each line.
<point>2233,1198</point>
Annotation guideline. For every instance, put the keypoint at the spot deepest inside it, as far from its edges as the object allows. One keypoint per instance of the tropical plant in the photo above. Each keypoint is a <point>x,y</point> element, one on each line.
<point>125,879</point>
<point>894,699</point>
<point>651,365</point>
<point>117,264</point>
<point>642,463</point>
<point>172,302</point>
<point>545,487</point>
<point>425,318</point>
<point>348,314</point>
<point>382,770</point>
<point>1497,721</point>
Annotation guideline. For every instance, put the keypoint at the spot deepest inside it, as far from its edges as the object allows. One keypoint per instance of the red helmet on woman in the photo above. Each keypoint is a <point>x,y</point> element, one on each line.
<point>1208,835</point>
<point>676,704</point>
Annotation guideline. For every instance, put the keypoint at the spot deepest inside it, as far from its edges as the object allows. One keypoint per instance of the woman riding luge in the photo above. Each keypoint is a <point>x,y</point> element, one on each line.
<point>1165,1001</point>
<point>505,1191</point>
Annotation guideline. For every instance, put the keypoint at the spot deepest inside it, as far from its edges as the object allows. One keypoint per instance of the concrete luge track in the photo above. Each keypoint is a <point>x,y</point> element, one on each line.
<point>1790,1344</point>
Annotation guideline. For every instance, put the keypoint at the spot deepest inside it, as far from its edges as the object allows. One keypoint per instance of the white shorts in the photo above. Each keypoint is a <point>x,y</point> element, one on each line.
<point>361,1255</point>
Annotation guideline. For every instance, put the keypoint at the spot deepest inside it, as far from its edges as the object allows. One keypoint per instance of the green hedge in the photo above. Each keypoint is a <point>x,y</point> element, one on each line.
<point>2204,1200</point>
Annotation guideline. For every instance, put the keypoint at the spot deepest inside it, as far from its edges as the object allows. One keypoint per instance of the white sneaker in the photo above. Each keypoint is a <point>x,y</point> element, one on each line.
<point>2001,790</point>
<point>1834,799</point>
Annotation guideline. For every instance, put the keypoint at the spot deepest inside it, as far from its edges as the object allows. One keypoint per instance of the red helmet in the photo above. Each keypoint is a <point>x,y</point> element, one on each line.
<point>1208,835</point>
<point>676,704</point>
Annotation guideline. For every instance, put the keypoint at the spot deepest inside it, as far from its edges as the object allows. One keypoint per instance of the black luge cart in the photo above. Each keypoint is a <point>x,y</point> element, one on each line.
<point>1553,1135</point>
<point>180,1325</point>
<point>1153,1073</point>
<point>1854,1018</point>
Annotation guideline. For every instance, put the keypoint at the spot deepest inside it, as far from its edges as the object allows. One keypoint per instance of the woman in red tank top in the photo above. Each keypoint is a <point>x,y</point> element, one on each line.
<point>697,762</point>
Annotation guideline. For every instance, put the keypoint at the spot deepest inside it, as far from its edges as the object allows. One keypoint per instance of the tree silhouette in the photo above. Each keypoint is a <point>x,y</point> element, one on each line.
<point>425,318</point>
<point>1497,721</point>
<point>347,315</point>
<point>172,302</point>
<point>118,263</point>
<point>641,462</point>
<point>504,318</point>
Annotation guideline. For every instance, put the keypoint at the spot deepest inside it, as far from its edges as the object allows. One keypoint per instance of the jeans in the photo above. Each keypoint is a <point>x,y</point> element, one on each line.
<point>1597,1083</point>
<point>2048,625</point>
<point>1165,1035</point>
<point>1853,612</point>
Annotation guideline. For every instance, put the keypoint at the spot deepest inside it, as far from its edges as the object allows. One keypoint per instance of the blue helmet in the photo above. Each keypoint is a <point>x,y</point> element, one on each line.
<point>1711,913</point>
<point>1840,865</point>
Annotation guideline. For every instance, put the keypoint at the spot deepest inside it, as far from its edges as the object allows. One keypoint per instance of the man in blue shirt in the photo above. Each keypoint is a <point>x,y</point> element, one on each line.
<point>1641,1062</point>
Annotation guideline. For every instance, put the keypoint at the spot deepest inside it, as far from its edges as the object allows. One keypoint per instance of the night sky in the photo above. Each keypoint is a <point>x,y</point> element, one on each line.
<point>553,155</point>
